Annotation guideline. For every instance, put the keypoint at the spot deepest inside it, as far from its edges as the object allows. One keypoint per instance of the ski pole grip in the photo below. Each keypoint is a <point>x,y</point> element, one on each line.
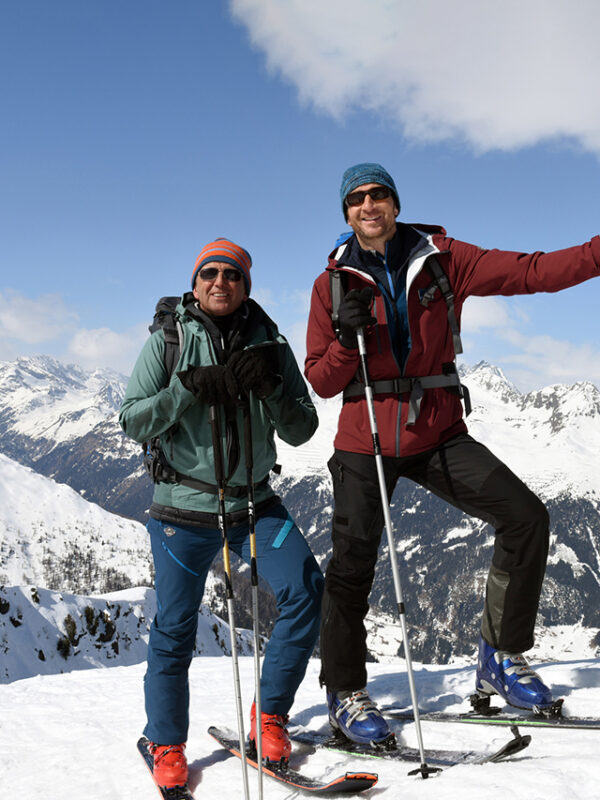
<point>360,338</point>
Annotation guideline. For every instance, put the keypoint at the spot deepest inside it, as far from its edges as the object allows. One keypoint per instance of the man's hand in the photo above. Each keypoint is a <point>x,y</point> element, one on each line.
<point>254,371</point>
<point>214,384</point>
<point>354,313</point>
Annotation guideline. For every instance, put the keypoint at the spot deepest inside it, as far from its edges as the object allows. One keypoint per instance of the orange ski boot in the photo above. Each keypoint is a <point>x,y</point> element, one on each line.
<point>170,765</point>
<point>276,744</point>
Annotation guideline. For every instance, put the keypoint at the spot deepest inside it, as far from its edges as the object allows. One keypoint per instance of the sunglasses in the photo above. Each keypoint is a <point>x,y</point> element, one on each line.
<point>229,273</point>
<point>376,194</point>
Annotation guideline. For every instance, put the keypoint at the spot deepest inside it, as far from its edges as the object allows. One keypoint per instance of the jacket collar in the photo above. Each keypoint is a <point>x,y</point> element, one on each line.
<point>407,242</point>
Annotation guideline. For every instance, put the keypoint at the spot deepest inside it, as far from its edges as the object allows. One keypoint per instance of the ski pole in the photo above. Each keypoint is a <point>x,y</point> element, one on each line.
<point>220,478</point>
<point>424,769</point>
<point>254,585</point>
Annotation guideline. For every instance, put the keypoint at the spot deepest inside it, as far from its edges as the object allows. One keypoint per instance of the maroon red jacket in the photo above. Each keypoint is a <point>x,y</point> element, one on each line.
<point>472,270</point>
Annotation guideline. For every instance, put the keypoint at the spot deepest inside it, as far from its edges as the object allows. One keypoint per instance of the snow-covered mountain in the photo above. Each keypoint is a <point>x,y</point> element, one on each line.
<point>49,403</point>
<point>550,438</point>
<point>62,421</point>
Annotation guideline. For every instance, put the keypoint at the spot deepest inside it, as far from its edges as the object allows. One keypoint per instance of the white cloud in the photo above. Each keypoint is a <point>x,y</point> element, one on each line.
<point>485,312</point>
<point>498,75</point>
<point>495,329</point>
<point>46,325</point>
<point>544,360</point>
<point>102,347</point>
<point>264,297</point>
<point>33,321</point>
<point>289,310</point>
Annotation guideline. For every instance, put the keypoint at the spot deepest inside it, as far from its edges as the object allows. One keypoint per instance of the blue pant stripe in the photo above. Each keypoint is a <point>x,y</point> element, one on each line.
<point>282,535</point>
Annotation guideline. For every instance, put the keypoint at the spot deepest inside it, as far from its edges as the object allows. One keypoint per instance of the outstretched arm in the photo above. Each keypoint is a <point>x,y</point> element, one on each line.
<point>480,272</point>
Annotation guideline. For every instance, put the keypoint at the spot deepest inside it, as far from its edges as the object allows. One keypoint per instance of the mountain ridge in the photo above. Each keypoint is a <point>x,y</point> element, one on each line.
<point>550,438</point>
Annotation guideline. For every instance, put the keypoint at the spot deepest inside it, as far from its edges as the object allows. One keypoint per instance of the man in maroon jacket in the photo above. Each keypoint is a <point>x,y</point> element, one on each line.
<point>405,285</point>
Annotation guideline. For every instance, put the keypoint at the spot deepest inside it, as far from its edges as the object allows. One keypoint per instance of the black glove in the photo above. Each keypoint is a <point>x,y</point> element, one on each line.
<point>354,313</point>
<point>255,370</point>
<point>214,384</point>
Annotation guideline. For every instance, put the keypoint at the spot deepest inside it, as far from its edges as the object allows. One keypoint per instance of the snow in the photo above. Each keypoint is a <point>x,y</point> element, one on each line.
<point>41,520</point>
<point>549,438</point>
<point>46,632</point>
<point>55,401</point>
<point>73,735</point>
<point>311,458</point>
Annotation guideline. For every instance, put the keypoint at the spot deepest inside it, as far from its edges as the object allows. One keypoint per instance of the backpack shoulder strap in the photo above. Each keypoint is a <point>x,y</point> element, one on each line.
<point>165,319</point>
<point>441,281</point>
<point>173,342</point>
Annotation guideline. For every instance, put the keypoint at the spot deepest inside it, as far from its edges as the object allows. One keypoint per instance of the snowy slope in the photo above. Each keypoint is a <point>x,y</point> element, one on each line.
<point>549,437</point>
<point>71,736</point>
<point>44,632</point>
<point>46,526</point>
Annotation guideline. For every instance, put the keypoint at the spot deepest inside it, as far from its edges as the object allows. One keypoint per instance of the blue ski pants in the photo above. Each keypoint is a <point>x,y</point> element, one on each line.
<point>182,558</point>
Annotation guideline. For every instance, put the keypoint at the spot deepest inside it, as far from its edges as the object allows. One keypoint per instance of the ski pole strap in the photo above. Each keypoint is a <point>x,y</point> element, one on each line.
<point>416,387</point>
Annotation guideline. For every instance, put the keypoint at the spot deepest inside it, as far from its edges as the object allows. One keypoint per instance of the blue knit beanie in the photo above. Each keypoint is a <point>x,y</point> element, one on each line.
<point>360,174</point>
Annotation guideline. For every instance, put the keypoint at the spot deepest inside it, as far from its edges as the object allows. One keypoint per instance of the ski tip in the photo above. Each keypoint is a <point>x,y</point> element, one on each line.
<point>362,776</point>
<point>349,783</point>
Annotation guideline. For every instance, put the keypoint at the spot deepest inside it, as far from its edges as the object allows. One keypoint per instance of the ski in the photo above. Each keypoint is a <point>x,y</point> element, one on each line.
<point>178,792</point>
<point>403,753</point>
<point>496,716</point>
<point>350,783</point>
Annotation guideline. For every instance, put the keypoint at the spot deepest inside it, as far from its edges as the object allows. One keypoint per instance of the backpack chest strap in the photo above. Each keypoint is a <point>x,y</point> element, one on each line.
<point>416,389</point>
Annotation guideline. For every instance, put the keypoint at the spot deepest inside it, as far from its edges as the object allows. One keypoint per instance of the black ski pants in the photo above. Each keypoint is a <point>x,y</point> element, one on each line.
<point>466,474</point>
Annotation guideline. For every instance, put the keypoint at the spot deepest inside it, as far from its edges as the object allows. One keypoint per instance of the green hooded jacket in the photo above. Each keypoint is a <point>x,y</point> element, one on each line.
<point>156,405</point>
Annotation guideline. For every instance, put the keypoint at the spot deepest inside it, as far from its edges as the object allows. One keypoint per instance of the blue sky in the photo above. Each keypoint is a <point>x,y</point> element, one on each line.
<point>133,132</point>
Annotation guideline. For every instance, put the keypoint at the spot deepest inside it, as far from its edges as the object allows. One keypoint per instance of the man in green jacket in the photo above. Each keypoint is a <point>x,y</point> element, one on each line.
<point>223,361</point>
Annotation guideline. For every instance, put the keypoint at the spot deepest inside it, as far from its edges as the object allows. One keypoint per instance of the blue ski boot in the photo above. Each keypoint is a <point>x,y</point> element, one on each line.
<point>357,717</point>
<point>510,676</point>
